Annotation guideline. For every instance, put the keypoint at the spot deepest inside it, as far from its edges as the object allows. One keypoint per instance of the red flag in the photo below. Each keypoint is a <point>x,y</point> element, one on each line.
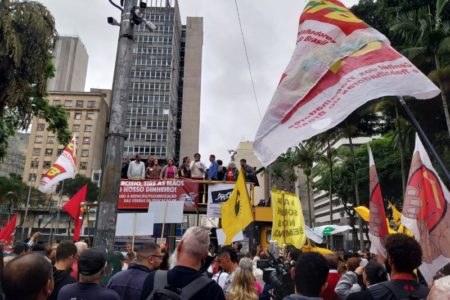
<point>73,208</point>
<point>9,229</point>
<point>378,229</point>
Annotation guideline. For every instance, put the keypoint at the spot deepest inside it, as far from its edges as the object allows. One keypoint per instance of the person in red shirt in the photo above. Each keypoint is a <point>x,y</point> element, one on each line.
<point>332,279</point>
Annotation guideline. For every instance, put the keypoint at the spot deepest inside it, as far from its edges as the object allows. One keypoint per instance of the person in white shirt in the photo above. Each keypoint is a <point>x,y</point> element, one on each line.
<point>198,169</point>
<point>136,169</point>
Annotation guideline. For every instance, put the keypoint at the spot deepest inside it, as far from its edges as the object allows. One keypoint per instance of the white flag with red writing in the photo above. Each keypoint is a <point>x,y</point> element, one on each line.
<point>378,229</point>
<point>338,65</point>
<point>426,214</point>
<point>63,168</point>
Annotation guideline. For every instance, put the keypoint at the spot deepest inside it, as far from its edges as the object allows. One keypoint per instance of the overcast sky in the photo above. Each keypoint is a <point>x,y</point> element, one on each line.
<point>229,112</point>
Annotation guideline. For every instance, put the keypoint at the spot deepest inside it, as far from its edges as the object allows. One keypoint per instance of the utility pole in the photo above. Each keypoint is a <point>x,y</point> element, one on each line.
<point>109,192</point>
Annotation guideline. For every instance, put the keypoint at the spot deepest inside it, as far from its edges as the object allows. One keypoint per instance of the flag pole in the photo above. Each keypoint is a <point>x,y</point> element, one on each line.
<point>58,218</point>
<point>164,220</point>
<point>134,231</point>
<point>424,138</point>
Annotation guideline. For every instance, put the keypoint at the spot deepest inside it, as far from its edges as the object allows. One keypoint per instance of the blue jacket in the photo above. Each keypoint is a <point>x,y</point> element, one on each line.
<point>212,171</point>
<point>128,284</point>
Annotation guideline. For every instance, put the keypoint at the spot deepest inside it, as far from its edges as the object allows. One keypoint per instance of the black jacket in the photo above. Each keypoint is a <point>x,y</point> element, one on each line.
<point>61,278</point>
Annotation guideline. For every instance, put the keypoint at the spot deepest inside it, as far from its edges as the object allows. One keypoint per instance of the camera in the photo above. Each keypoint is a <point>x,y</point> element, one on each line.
<point>276,272</point>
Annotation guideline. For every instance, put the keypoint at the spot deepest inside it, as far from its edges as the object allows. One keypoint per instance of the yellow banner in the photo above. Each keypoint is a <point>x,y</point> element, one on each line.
<point>288,223</point>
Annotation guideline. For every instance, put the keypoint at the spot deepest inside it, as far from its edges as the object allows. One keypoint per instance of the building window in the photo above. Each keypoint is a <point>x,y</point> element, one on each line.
<point>36,151</point>
<point>83,165</point>
<point>34,164</point>
<point>77,116</point>
<point>90,116</point>
<point>39,139</point>
<point>32,177</point>
<point>68,103</point>
<point>91,104</point>
<point>68,115</point>
<point>84,153</point>
<point>56,102</point>
<point>80,103</point>
<point>75,128</point>
<point>40,127</point>
<point>60,151</point>
<point>47,164</point>
<point>88,128</point>
<point>48,151</point>
<point>86,140</point>
<point>50,139</point>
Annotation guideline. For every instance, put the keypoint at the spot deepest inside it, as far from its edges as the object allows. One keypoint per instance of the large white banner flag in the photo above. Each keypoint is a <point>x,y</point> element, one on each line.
<point>63,168</point>
<point>426,214</point>
<point>338,65</point>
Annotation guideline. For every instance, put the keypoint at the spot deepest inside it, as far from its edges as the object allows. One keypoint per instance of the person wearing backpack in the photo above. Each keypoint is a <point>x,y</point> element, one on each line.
<point>404,255</point>
<point>184,281</point>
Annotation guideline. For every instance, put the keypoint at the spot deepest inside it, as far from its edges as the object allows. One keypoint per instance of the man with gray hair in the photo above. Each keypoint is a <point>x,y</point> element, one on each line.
<point>128,284</point>
<point>185,279</point>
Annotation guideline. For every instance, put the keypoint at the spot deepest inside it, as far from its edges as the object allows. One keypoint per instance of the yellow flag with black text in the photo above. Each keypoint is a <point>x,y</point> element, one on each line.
<point>237,210</point>
<point>288,225</point>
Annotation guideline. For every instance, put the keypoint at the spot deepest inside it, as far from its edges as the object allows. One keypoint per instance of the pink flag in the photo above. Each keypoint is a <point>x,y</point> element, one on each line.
<point>426,214</point>
<point>378,230</point>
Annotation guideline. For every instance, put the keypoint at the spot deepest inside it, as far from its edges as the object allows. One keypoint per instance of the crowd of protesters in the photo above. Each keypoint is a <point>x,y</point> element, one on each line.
<point>139,169</point>
<point>36,272</point>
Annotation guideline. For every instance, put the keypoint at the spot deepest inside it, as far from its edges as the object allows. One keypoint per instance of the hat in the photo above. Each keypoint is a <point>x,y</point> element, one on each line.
<point>91,262</point>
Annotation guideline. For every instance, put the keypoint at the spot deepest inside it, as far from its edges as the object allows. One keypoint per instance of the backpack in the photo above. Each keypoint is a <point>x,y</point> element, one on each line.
<point>400,294</point>
<point>163,291</point>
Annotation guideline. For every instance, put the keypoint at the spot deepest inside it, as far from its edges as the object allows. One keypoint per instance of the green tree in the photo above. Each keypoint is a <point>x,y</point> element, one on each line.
<point>13,189</point>
<point>425,38</point>
<point>27,36</point>
<point>71,186</point>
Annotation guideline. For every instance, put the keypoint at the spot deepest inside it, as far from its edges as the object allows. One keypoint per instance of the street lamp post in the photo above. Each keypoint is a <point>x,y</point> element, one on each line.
<point>28,198</point>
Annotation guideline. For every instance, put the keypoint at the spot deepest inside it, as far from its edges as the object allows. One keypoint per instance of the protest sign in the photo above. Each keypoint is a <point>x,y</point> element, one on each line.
<point>217,195</point>
<point>134,224</point>
<point>137,194</point>
<point>167,211</point>
<point>288,224</point>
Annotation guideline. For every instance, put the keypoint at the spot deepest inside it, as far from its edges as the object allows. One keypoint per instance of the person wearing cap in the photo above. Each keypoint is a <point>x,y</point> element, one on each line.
<point>128,284</point>
<point>91,267</point>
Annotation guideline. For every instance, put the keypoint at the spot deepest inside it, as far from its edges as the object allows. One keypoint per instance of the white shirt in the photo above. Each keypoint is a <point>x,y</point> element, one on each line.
<point>136,170</point>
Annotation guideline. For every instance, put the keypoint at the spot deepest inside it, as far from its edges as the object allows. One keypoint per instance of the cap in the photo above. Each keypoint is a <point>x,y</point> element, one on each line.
<point>91,262</point>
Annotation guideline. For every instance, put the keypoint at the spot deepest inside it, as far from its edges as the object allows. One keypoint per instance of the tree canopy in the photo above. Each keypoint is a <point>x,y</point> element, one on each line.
<point>27,37</point>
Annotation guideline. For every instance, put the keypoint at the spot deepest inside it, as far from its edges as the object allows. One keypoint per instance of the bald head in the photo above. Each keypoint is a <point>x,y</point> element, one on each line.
<point>196,242</point>
<point>28,277</point>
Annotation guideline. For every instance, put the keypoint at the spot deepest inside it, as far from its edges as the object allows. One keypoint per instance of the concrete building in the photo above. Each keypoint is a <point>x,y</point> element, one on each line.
<point>87,114</point>
<point>164,82</point>
<point>71,62</point>
<point>14,161</point>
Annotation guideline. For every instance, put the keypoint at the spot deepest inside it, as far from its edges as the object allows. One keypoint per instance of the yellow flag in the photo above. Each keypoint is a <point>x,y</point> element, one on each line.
<point>363,212</point>
<point>288,225</point>
<point>237,211</point>
<point>396,215</point>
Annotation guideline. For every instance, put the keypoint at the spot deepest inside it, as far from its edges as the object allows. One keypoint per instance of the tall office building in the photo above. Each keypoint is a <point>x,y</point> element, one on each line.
<point>87,116</point>
<point>164,91</point>
<point>71,61</point>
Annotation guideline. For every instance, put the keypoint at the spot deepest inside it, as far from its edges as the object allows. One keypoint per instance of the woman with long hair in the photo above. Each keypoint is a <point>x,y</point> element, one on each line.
<point>243,285</point>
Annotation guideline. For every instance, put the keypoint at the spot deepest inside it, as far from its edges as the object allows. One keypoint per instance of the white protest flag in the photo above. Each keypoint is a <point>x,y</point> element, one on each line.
<point>63,168</point>
<point>327,230</point>
<point>426,214</point>
<point>338,65</point>
<point>313,236</point>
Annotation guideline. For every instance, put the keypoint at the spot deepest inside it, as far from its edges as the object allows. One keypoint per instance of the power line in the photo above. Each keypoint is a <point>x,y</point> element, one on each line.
<point>248,61</point>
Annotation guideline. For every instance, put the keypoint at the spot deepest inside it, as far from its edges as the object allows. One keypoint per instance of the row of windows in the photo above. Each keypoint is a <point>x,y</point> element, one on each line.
<point>147,111</point>
<point>49,152</point>
<point>150,74</point>
<point>158,17</point>
<point>148,124</point>
<point>150,86</point>
<point>159,28</point>
<point>165,40</point>
<point>148,137</point>
<point>87,128</point>
<point>40,139</point>
<point>75,103</point>
<point>79,115</point>
<point>32,176</point>
<point>146,150</point>
<point>149,98</point>
<point>47,164</point>
<point>156,50</point>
